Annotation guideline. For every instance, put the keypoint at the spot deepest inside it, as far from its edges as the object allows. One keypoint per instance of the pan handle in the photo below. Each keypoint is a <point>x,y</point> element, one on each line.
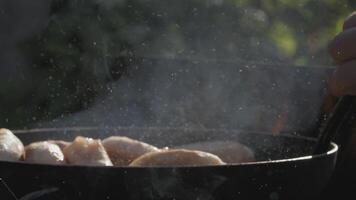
<point>330,131</point>
<point>345,132</point>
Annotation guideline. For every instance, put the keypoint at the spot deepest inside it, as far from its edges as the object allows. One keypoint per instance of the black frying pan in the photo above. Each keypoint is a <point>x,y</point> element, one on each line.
<point>285,171</point>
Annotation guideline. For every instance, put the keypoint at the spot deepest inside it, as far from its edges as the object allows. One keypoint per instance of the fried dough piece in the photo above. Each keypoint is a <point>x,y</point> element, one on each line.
<point>11,148</point>
<point>123,150</point>
<point>228,151</point>
<point>44,153</point>
<point>61,143</point>
<point>86,151</point>
<point>177,157</point>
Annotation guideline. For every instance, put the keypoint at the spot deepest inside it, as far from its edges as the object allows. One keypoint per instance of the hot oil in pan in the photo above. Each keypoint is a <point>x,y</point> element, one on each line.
<point>268,148</point>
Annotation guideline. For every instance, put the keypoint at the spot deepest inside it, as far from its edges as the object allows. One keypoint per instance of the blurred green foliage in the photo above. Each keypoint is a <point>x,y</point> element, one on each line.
<point>90,43</point>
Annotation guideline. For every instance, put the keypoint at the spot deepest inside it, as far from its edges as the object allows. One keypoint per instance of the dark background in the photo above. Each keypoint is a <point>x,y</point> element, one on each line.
<point>79,63</point>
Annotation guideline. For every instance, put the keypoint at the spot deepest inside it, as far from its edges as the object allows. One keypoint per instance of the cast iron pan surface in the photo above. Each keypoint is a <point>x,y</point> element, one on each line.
<point>284,171</point>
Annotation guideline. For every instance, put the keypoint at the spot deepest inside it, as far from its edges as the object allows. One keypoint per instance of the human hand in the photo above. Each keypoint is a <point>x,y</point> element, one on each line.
<point>343,51</point>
